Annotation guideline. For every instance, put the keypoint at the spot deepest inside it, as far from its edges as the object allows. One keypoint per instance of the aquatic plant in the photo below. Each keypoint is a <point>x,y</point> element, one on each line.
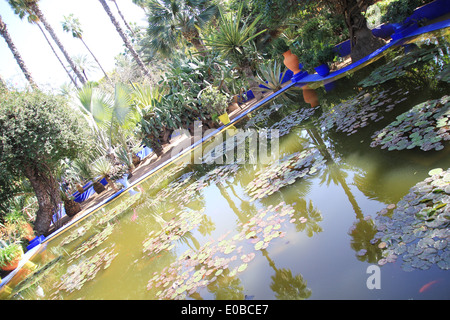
<point>416,228</point>
<point>260,117</point>
<point>77,233</point>
<point>426,126</point>
<point>398,66</point>
<point>171,231</point>
<point>78,274</point>
<point>91,243</point>
<point>444,75</point>
<point>284,172</point>
<point>224,257</point>
<point>356,113</point>
<point>293,120</point>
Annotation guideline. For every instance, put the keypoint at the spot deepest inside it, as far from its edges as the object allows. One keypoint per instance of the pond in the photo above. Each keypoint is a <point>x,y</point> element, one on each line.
<point>350,201</point>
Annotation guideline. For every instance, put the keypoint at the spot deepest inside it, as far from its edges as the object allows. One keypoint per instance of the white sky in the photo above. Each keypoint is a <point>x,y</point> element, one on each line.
<point>98,33</point>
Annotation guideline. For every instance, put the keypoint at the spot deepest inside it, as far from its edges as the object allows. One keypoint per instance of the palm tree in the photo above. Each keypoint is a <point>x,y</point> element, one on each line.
<point>31,6</point>
<point>171,21</point>
<point>22,11</point>
<point>84,64</point>
<point>140,3</point>
<point>5,34</point>
<point>125,38</point>
<point>72,24</point>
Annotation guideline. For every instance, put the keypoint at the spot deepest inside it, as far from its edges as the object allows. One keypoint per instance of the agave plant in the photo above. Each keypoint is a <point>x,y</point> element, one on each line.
<point>270,76</point>
<point>105,169</point>
<point>232,37</point>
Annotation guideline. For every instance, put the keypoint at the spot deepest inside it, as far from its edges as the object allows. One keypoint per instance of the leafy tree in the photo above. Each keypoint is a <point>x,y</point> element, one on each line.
<point>174,21</point>
<point>363,42</point>
<point>5,34</point>
<point>37,131</point>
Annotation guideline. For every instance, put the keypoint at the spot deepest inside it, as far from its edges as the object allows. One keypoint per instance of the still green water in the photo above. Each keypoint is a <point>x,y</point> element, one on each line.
<point>199,231</point>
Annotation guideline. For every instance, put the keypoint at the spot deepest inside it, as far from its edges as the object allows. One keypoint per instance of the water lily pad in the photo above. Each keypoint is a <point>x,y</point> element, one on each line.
<point>416,127</point>
<point>418,228</point>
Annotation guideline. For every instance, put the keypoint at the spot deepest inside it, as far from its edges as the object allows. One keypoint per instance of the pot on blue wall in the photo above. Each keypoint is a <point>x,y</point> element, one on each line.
<point>343,49</point>
<point>384,31</point>
<point>323,70</point>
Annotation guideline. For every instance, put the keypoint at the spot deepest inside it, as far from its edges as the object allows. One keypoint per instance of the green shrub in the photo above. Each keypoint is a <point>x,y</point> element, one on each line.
<point>397,11</point>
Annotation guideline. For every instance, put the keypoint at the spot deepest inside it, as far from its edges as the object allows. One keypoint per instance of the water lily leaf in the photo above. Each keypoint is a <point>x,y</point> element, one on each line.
<point>259,245</point>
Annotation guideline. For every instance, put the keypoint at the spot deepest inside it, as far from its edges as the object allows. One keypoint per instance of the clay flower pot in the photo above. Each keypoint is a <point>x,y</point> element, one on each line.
<point>13,263</point>
<point>291,62</point>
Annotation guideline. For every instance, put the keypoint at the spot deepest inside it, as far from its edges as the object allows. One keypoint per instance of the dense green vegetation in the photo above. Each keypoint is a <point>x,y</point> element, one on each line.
<point>188,64</point>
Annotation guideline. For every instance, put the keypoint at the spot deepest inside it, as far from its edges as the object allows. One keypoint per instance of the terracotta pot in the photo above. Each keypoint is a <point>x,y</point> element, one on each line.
<point>14,263</point>
<point>232,107</point>
<point>80,188</point>
<point>291,62</point>
<point>29,233</point>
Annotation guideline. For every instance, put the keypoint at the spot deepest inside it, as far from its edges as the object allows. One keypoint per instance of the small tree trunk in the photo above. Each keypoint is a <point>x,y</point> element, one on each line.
<point>155,145</point>
<point>104,72</point>
<point>98,187</point>
<point>47,194</point>
<point>111,183</point>
<point>362,41</point>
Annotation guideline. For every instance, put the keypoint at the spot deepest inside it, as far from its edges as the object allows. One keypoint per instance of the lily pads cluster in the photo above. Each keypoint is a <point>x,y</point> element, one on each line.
<point>225,257</point>
<point>356,113</point>
<point>284,172</point>
<point>78,274</point>
<point>444,75</point>
<point>229,146</point>
<point>293,120</point>
<point>77,233</point>
<point>418,228</point>
<point>92,243</point>
<point>123,206</point>
<point>397,67</point>
<point>219,174</point>
<point>426,126</point>
<point>262,115</point>
<point>165,238</point>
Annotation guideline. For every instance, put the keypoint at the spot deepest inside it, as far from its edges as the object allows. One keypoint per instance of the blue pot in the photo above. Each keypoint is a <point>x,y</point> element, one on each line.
<point>384,31</point>
<point>323,70</point>
<point>343,49</point>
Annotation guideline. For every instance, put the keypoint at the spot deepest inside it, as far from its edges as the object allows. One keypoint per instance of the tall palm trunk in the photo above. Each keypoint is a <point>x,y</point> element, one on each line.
<point>123,18</point>
<point>95,58</point>
<point>53,49</point>
<point>194,37</point>
<point>34,6</point>
<point>125,39</point>
<point>5,34</point>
